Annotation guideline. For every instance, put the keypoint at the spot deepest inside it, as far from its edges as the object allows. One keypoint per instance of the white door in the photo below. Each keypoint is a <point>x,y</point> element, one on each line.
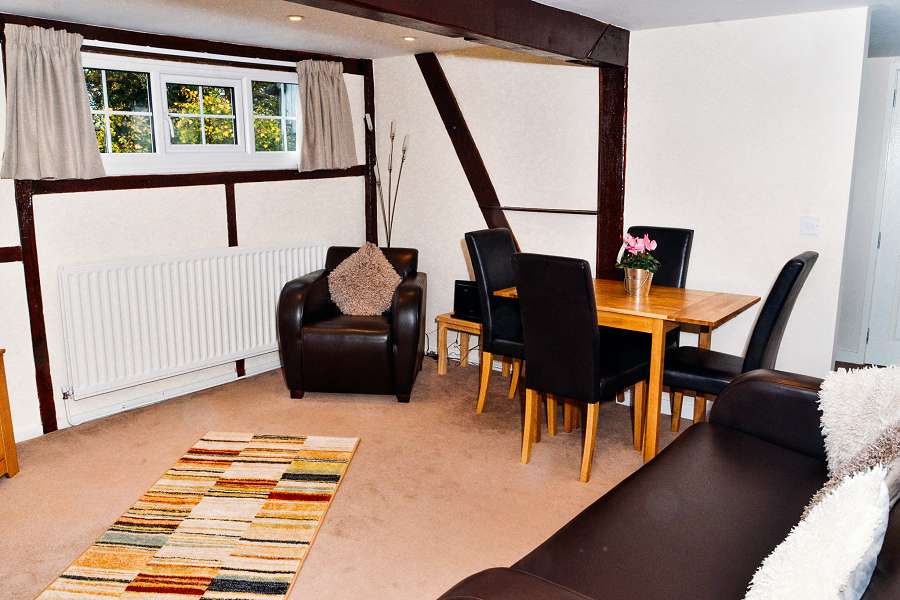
<point>883,346</point>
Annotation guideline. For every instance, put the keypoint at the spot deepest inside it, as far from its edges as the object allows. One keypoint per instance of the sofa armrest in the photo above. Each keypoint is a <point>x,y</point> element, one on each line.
<point>509,584</point>
<point>302,300</point>
<point>408,331</point>
<point>778,407</point>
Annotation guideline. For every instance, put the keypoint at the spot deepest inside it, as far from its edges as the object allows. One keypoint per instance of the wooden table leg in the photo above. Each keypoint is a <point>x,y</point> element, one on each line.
<point>654,393</point>
<point>704,342</point>
<point>463,349</point>
<point>442,349</point>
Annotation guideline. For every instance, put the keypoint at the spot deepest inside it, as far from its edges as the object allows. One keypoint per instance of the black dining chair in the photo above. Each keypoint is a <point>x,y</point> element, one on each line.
<point>564,354</point>
<point>491,252</point>
<point>701,373</point>
<point>674,255</point>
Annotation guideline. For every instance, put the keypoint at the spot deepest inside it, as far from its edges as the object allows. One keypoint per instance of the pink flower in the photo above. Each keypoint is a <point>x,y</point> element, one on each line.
<point>648,243</point>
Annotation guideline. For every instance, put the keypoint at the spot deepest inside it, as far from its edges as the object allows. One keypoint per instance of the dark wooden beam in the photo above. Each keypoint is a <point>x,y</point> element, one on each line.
<point>35,301</point>
<point>611,169</point>
<point>516,24</point>
<point>171,42</point>
<point>463,142</point>
<point>10,254</point>
<point>231,215</point>
<point>534,209</point>
<point>134,182</point>
<point>371,208</point>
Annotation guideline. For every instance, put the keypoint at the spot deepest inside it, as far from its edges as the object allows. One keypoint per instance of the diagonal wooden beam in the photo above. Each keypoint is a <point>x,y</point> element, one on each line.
<point>463,142</point>
<point>516,24</point>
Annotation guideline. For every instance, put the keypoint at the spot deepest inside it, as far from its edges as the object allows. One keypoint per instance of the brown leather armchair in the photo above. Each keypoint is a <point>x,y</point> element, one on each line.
<point>323,350</point>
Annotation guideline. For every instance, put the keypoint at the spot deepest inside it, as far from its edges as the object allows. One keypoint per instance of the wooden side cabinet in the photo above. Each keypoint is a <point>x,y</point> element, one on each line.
<point>9,461</point>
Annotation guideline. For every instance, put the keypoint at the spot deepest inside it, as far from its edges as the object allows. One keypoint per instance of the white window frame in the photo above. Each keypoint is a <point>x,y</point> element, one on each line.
<point>283,119</point>
<point>106,112</point>
<point>236,84</point>
<point>176,158</point>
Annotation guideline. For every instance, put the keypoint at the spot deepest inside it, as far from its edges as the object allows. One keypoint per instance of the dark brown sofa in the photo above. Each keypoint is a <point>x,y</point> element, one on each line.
<point>697,521</point>
<point>323,350</point>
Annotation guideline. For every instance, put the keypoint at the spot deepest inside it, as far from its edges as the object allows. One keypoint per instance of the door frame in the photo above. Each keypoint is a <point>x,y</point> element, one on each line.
<point>891,118</point>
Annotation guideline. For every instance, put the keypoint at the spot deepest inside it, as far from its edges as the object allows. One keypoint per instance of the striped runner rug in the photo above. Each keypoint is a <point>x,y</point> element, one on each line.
<point>233,519</point>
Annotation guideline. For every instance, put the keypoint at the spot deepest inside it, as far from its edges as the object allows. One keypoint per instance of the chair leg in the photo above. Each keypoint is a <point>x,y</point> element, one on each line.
<point>590,440</point>
<point>486,360</point>
<point>568,417</point>
<point>639,405</point>
<point>514,380</point>
<point>504,367</point>
<point>677,403</point>
<point>699,408</point>
<point>538,420</point>
<point>551,414</point>
<point>532,405</point>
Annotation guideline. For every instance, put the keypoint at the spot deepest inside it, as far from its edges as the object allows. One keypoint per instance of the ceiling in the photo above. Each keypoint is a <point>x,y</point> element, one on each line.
<point>252,22</point>
<point>884,37</point>
<point>264,22</point>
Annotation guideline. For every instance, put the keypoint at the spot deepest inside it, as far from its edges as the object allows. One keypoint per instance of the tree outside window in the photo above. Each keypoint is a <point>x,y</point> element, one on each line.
<point>121,110</point>
<point>274,116</point>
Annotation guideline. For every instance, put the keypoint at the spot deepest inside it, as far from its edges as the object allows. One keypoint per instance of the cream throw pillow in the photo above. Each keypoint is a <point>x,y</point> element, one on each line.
<point>364,282</point>
<point>857,407</point>
<point>831,554</point>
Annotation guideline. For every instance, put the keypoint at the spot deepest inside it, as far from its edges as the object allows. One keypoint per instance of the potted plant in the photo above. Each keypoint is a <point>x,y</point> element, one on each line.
<point>639,264</point>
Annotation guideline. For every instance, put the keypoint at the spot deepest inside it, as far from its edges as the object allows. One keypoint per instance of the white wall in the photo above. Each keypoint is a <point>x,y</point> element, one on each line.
<point>864,218</point>
<point>535,124</point>
<point>738,130</point>
<point>99,226</point>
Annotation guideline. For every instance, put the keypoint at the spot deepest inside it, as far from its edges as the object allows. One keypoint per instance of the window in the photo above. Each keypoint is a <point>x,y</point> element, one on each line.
<point>167,116</point>
<point>274,116</point>
<point>201,114</point>
<point>121,108</point>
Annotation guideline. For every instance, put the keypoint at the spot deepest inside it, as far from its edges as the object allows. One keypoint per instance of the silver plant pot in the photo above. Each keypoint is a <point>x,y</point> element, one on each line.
<point>637,282</point>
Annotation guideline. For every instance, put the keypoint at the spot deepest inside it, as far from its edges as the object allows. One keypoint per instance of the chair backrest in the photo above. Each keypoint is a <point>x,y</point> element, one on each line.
<point>762,349</point>
<point>673,252</point>
<point>491,252</point>
<point>559,317</point>
<point>404,260</point>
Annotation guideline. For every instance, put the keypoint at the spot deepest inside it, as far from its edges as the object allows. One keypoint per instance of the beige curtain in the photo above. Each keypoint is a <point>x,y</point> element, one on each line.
<point>49,131</point>
<point>327,125</point>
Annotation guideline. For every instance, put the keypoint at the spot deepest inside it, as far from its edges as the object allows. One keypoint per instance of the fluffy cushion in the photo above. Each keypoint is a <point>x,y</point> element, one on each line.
<point>857,406</point>
<point>831,554</point>
<point>364,282</point>
<point>884,451</point>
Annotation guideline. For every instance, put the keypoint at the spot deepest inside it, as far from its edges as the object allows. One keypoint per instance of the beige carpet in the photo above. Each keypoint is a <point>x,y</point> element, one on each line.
<point>434,493</point>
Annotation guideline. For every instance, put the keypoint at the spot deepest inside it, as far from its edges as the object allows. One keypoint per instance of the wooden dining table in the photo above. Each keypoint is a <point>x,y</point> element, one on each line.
<point>664,309</point>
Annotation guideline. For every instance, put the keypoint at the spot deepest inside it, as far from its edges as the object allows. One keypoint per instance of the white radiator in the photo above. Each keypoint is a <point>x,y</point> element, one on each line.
<point>135,321</point>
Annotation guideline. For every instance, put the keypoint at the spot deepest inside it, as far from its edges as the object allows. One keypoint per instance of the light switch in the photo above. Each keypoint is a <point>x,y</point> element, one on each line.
<point>809,225</point>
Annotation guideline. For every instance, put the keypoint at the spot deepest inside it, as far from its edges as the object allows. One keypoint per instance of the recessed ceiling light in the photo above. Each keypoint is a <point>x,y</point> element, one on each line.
<point>295,17</point>
<point>409,38</point>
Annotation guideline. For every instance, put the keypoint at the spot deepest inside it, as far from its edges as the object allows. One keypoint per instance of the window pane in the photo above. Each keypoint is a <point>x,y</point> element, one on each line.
<point>100,130</point>
<point>131,133</point>
<point>218,101</point>
<point>219,131</point>
<point>266,98</point>
<point>128,91</point>
<point>94,80</point>
<point>268,135</point>
<point>290,99</point>
<point>186,130</point>
<point>184,99</point>
<point>291,134</point>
